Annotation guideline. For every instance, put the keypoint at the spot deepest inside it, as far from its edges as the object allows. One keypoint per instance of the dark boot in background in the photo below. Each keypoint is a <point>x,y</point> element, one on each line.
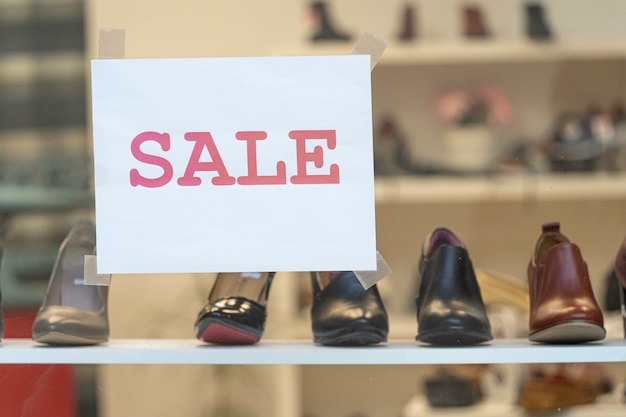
<point>325,29</point>
<point>474,22</point>
<point>536,25</point>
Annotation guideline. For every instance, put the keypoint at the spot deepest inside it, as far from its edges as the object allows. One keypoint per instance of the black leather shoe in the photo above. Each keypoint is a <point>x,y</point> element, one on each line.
<point>235,312</point>
<point>450,309</point>
<point>344,313</point>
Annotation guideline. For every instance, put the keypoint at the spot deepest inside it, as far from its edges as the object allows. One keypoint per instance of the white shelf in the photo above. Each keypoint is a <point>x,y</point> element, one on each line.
<point>418,406</point>
<point>189,351</point>
<point>567,187</point>
<point>463,52</point>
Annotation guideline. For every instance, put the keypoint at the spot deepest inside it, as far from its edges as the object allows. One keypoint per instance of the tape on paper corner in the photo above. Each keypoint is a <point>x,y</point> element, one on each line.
<point>91,276</point>
<point>370,278</point>
<point>111,43</point>
<point>372,45</point>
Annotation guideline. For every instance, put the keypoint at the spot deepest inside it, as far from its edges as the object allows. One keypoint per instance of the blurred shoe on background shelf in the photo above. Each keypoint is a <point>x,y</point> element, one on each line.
<point>578,142</point>
<point>450,308</point>
<point>344,313</point>
<point>620,274</point>
<point>391,151</point>
<point>563,308</point>
<point>553,388</point>
<point>325,29</point>
<point>454,386</point>
<point>235,311</point>
<point>473,138</point>
<point>537,27</point>
<point>408,29</point>
<point>615,156</point>
<point>73,313</point>
<point>474,25</point>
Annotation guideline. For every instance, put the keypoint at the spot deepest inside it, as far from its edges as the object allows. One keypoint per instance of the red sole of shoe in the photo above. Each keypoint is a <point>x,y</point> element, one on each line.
<point>223,335</point>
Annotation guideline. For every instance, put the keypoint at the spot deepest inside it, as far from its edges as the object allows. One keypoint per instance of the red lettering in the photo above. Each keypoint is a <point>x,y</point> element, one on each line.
<point>204,140</point>
<point>136,178</point>
<point>253,178</point>
<point>316,156</point>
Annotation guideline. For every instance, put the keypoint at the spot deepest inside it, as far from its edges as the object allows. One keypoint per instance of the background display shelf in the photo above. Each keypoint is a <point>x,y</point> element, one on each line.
<point>511,188</point>
<point>189,351</point>
<point>467,52</point>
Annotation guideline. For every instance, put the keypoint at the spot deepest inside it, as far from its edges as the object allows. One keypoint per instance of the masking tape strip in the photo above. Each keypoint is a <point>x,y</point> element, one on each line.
<point>371,45</point>
<point>111,44</point>
<point>91,276</point>
<point>369,278</point>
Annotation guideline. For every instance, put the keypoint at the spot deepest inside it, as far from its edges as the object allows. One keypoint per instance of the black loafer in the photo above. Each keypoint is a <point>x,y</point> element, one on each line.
<point>450,309</point>
<point>345,314</point>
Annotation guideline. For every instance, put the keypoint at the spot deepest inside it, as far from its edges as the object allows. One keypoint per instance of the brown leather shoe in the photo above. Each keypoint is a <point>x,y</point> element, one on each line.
<point>563,308</point>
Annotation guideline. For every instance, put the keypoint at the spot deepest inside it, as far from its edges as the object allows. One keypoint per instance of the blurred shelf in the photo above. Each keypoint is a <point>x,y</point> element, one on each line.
<point>32,198</point>
<point>463,52</point>
<point>189,351</point>
<point>418,406</point>
<point>507,188</point>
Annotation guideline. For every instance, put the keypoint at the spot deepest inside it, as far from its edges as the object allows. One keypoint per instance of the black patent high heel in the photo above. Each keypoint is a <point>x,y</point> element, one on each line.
<point>235,311</point>
<point>344,313</point>
<point>620,273</point>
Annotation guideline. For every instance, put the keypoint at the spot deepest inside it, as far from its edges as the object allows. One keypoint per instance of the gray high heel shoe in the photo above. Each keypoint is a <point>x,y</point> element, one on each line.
<point>73,313</point>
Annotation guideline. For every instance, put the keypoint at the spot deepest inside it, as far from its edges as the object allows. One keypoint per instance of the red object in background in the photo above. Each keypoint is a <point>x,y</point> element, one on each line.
<point>34,390</point>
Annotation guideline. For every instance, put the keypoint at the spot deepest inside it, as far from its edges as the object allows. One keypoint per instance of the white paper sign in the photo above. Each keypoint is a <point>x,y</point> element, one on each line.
<point>233,164</point>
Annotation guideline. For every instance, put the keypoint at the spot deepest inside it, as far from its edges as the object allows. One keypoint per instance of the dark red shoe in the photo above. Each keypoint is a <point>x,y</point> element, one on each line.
<point>563,308</point>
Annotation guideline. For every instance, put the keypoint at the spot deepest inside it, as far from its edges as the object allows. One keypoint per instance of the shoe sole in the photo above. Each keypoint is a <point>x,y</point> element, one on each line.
<point>64,339</point>
<point>221,332</point>
<point>569,332</point>
<point>357,333</point>
<point>453,336</point>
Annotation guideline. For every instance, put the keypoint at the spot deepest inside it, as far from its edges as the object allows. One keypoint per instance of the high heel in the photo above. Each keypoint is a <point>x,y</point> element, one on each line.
<point>235,311</point>
<point>73,313</point>
<point>620,273</point>
<point>344,313</point>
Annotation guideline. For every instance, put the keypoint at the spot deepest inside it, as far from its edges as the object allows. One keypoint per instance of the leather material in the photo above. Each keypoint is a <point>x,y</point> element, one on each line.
<point>235,311</point>
<point>559,287</point>
<point>239,311</point>
<point>73,313</point>
<point>344,313</point>
<point>76,324</point>
<point>450,309</point>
